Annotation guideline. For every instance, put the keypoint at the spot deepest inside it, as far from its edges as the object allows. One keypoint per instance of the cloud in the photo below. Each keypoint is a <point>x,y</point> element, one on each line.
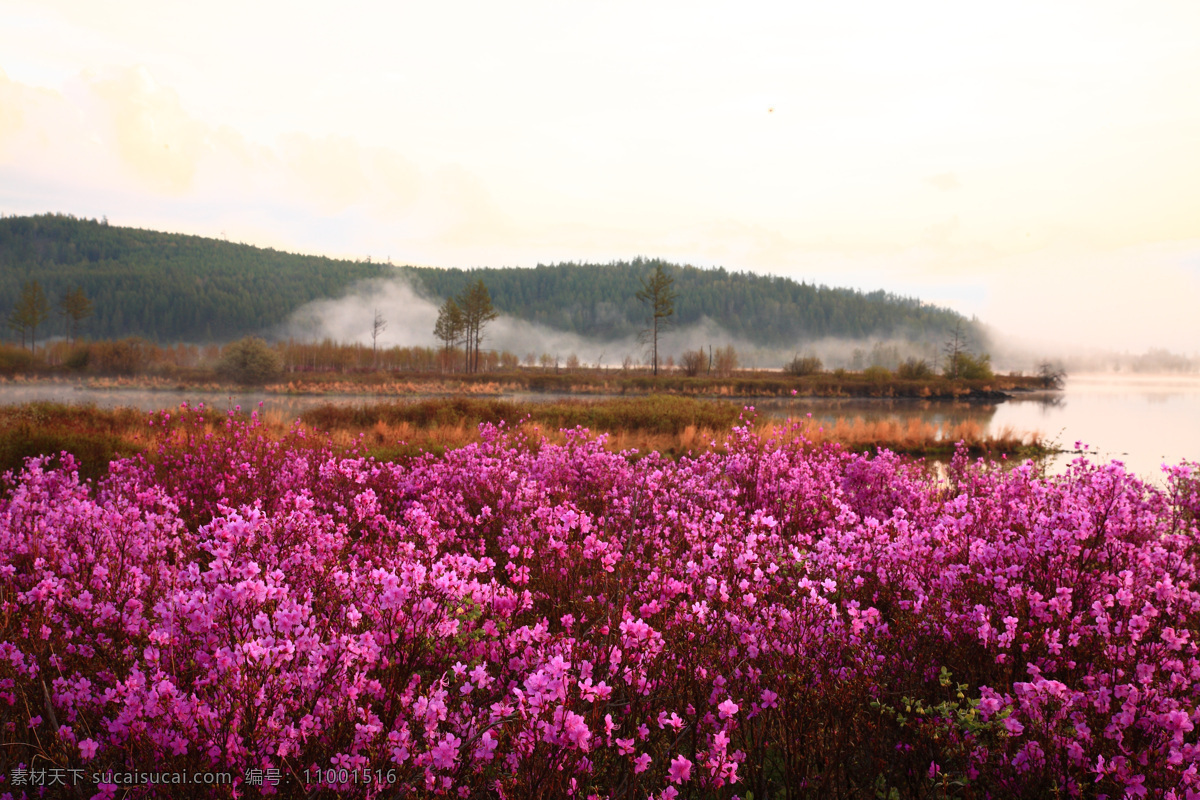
<point>941,232</point>
<point>119,143</point>
<point>330,170</point>
<point>11,116</point>
<point>154,136</point>
<point>946,181</point>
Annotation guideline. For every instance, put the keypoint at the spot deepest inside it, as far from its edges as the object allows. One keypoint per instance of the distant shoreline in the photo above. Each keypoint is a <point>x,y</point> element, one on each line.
<point>582,382</point>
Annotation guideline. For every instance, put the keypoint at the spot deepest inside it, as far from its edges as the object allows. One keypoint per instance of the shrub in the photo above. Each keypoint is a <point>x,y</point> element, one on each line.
<point>877,374</point>
<point>1051,374</point>
<point>803,365</point>
<point>693,362</point>
<point>78,358</point>
<point>15,359</point>
<point>914,369</point>
<point>725,361</point>
<point>518,619</point>
<point>122,357</point>
<point>249,361</point>
<point>970,367</point>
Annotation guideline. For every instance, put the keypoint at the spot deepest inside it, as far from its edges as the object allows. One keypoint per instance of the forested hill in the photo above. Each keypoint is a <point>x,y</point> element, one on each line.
<point>172,287</point>
<point>601,300</point>
<point>163,286</point>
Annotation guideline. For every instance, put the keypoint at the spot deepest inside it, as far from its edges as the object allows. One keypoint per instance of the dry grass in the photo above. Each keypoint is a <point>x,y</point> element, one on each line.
<point>913,436</point>
<point>673,426</point>
<point>302,386</point>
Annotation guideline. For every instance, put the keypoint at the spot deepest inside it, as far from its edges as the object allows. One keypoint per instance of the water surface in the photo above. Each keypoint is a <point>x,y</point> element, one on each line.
<point>1142,421</point>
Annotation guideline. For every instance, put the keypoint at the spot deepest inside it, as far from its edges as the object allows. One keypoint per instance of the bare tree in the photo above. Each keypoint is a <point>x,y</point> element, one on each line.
<point>954,348</point>
<point>1051,374</point>
<point>657,291</point>
<point>692,362</point>
<point>378,326</point>
<point>725,361</point>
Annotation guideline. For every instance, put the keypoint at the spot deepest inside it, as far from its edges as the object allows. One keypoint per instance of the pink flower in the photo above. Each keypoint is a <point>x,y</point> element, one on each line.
<point>88,748</point>
<point>727,709</point>
<point>680,770</point>
<point>641,763</point>
<point>446,752</point>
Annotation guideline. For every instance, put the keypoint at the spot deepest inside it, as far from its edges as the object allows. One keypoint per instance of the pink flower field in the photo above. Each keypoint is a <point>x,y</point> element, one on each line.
<point>517,619</point>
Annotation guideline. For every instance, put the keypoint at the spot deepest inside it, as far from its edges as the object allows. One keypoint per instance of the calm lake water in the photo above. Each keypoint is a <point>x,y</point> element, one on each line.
<point>1142,421</point>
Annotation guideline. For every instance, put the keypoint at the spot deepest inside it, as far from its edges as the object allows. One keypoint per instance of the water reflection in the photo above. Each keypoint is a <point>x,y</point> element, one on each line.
<point>156,400</point>
<point>939,414</point>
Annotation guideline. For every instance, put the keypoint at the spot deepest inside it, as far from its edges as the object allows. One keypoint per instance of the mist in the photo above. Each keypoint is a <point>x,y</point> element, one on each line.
<point>410,315</point>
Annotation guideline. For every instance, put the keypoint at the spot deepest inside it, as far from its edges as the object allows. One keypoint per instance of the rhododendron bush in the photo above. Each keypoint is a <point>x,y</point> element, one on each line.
<point>518,619</point>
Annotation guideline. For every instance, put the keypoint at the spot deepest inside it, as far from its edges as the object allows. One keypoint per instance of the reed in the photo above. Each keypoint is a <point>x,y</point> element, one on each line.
<point>672,425</point>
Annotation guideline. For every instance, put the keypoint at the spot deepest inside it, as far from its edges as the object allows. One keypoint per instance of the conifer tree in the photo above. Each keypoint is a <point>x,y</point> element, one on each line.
<point>658,291</point>
<point>477,312</point>
<point>75,307</point>
<point>450,328</point>
<point>31,311</point>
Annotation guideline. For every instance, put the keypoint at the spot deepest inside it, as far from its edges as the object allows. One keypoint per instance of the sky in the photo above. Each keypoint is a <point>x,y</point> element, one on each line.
<point>1036,164</point>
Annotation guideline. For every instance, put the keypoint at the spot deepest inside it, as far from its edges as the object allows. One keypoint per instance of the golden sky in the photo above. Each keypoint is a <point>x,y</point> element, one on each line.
<point>1035,163</point>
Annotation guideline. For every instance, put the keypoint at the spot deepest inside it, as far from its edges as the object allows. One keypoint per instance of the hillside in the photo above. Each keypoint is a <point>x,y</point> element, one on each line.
<point>170,287</point>
<point>163,286</point>
<point>599,300</point>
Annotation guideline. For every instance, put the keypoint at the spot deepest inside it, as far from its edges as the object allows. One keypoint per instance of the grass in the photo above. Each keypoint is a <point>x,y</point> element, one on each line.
<point>94,437</point>
<point>621,382</point>
<point>917,437</point>
<point>671,425</point>
<point>19,365</point>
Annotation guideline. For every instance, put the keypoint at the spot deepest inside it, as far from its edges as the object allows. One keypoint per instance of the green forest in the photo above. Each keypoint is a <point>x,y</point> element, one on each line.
<point>165,287</point>
<point>168,287</point>
<point>599,300</point>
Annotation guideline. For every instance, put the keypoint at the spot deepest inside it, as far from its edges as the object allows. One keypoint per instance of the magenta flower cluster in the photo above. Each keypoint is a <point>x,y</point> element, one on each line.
<point>518,619</point>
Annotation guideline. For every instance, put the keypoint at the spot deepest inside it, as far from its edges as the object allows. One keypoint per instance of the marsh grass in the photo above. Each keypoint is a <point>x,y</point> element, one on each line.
<point>93,437</point>
<point>672,425</point>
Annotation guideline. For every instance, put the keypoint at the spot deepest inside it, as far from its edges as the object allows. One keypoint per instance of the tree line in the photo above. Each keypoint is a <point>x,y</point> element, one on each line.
<point>601,301</point>
<point>165,287</point>
<point>171,287</point>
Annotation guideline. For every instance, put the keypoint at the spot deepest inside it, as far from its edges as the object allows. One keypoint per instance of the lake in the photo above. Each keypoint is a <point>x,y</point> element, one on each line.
<point>1142,421</point>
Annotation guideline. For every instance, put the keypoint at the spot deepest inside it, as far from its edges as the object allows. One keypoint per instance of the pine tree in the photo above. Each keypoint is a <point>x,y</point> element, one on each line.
<point>477,312</point>
<point>658,291</point>
<point>450,328</point>
<point>75,307</point>
<point>31,311</point>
